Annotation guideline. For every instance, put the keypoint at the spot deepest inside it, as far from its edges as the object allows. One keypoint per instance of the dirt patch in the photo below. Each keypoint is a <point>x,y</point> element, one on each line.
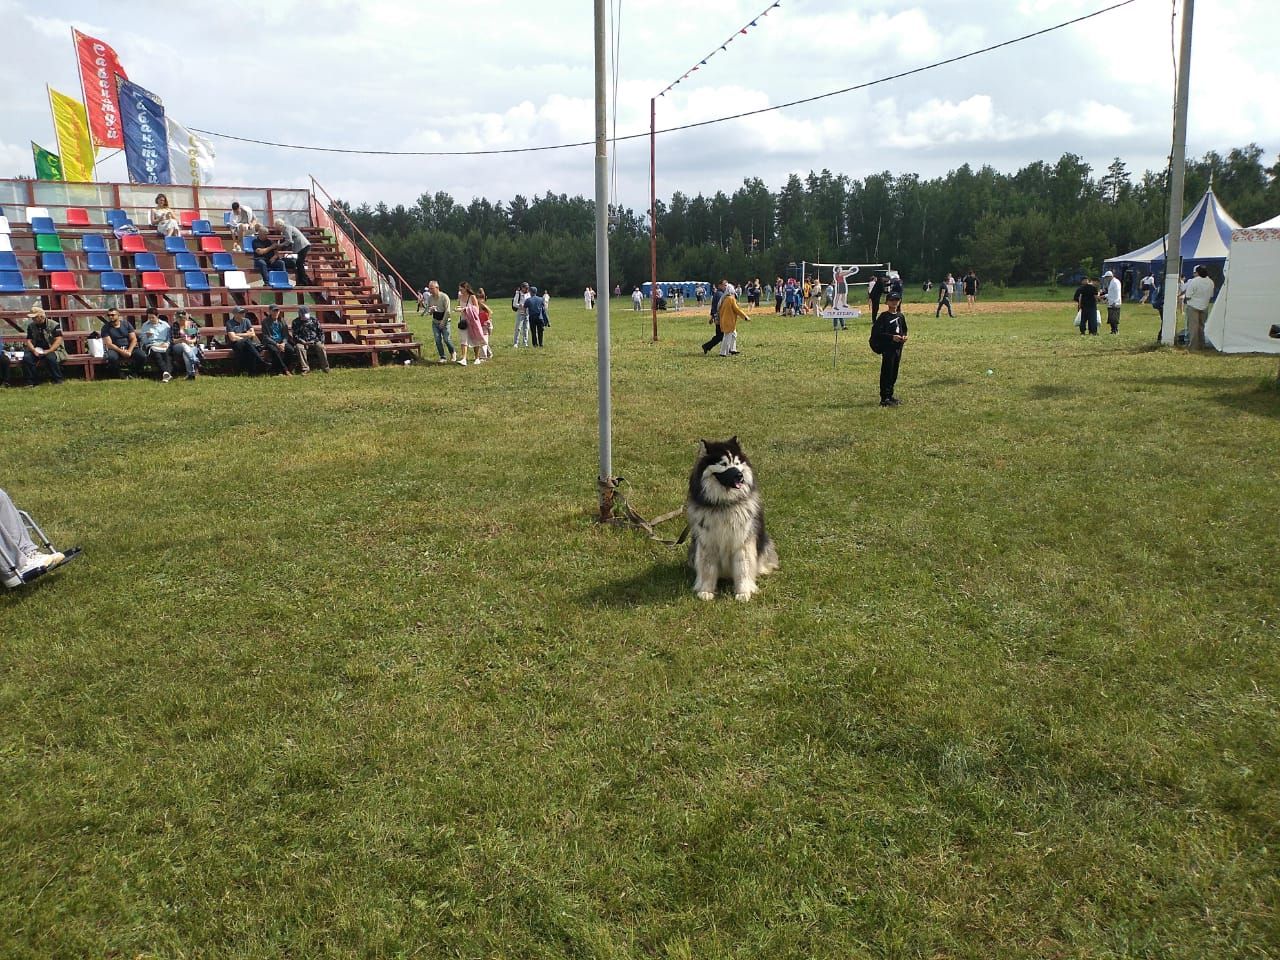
<point>979,309</point>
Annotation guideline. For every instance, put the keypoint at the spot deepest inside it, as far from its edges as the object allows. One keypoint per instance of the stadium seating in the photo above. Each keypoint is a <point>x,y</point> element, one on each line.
<point>5,242</point>
<point>212,245</point>
<point>188,217</point>
<point>9,261</point>
<point>11,282</point>
<point>143,262</point>
<point>222,261</point>
<point>48,243</point>
<point>53,261</point>
<point>185,261</point>
<point>117,219</point>
<point>98,261</point>
<point>41,225</point>
<point>77,217</point>
<point>279,280</point>
<point>4,224</point>
<point>91,242</point>
<point>175,245</point>
<point>133,243</point>
<point>153,281</point>
<point>195,280</point>
<point>113,282</point>
<point>235,280</point>
<point>33,212</point>
<point>201,228</point>
<point>246,244</point>
<point>63,281</point>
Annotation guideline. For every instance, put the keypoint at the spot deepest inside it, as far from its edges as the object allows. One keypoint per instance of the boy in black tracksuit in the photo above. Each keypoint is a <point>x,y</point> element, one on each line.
<point>889,331</point>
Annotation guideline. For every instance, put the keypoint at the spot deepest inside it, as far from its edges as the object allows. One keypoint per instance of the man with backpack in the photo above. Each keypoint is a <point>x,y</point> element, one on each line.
<point>888,334</point>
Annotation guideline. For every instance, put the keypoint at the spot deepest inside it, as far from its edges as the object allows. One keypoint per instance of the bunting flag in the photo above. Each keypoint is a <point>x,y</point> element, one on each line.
<point>723,47</point>
<point>48,164</point>
<point>99,67</point>
<point>146,144</point>
<point>75,143</point>
<point>190,156</point>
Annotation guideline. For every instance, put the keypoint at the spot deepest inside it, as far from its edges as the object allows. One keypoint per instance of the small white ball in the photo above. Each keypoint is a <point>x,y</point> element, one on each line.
<point>990,372</point>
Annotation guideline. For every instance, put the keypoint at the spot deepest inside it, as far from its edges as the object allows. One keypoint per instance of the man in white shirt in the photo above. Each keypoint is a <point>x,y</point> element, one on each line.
<point>1199,293</point>
<point>518,304</point>
<point>1113,301</point>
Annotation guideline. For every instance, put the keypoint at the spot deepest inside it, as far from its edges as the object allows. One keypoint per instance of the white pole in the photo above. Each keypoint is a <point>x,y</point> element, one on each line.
<point>602,252</point>
<point>1173,244</point>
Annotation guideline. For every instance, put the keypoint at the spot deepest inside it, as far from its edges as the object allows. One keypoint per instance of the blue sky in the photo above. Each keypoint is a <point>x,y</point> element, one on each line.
<point>493,73</point>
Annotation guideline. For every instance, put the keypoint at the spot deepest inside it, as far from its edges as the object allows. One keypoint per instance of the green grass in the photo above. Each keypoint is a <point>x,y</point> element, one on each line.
<point>347,670</point>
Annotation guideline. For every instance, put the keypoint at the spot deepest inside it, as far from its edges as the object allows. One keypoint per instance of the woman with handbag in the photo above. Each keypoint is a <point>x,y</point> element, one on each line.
<point>469,324</point>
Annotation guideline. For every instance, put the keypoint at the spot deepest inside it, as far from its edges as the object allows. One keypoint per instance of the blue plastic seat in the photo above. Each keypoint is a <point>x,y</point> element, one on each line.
<point>279,280</point>
<point>195,280</point>
<point>246,244</point>
<point>91,242</point>
<point>226,218</point>
<point>43,225</point>
<point>9,261</point>
<point>113,282</point>
<point>117,218</point>
<point>222,261</point>
<point>185,261</point>
<point>99,260</point>
<point>53,261</point>
<point>175,245</point>
<point>201,228</point>
<point>11,282</point>
<point>145,261</point>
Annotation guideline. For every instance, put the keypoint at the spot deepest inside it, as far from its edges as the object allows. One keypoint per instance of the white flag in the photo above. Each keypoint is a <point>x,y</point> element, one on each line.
<point>190,156</point>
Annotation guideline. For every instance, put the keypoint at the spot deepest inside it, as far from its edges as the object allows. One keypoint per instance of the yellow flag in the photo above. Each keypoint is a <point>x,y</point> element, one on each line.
<point>71,124</point>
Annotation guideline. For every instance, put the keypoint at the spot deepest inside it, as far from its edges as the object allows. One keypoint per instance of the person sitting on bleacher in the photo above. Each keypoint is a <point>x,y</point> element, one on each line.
<point>164,218</point>
<point>266,255</point>
<point>243,222</point>
<point>186,343</point>
<point>243,341</point>
<point>43,346</point>
<point>157,338</point>
<point>282,353</point>
<point>309,337</point>
<point>121,349</point>
<point>296,241</point>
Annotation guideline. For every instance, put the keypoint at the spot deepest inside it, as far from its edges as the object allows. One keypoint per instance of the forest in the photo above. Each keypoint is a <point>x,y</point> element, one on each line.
<point>1028,227</point>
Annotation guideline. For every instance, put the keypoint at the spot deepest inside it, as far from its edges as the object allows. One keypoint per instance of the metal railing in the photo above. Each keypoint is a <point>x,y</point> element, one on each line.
<point>377,272</point>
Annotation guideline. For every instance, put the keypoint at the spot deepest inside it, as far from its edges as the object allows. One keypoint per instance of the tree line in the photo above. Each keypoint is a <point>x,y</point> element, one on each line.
<point>1026,227</point>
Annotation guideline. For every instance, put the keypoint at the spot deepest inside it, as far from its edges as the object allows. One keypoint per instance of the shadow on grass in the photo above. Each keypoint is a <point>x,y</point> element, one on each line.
<point>1052,391</point>
<point>1260,398</point>
<point>663,582</point>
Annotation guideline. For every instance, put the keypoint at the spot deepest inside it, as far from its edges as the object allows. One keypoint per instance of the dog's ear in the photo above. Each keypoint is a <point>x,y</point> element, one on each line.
<point>702,448</point>
<point>732,444</point>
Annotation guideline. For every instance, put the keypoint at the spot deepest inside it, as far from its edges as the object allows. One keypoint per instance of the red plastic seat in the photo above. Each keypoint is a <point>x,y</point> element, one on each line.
<point>154,281</point>
<point>133,243</point>
<point>188,217</point>
<point>77,217</point>
<point>212,245</point>
<point>63,281</point>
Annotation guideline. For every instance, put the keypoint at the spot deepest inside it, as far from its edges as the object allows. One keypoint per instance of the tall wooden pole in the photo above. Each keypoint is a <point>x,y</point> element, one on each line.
<point>1173,244</point>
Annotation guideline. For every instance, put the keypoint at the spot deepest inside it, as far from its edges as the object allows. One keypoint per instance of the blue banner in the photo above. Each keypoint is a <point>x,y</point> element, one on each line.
<point>146,144</point>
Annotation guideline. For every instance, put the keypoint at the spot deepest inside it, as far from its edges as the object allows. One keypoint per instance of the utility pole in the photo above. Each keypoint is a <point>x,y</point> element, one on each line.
<point>653,214</point>
<point>1177,165</point>
<point>605,480</point>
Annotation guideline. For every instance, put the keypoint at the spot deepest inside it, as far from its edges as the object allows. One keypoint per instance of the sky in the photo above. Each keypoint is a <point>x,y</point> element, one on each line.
<point>488,74</point>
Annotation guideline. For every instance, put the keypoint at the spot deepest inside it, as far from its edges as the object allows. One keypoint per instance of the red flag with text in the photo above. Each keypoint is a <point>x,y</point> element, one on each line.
<point>99,67</point>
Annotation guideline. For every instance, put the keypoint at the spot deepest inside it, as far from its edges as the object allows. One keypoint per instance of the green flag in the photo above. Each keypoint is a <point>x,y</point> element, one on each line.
<point>48,165</point>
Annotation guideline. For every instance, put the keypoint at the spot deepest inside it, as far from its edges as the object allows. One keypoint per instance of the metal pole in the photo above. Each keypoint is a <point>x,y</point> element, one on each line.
<point>653,216</point>
<point>602,268</point>
<point>1173,243</point>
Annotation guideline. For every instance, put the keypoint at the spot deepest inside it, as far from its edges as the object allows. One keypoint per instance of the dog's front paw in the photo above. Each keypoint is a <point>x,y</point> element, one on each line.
<point>744,595</point>
<point>705,595</point>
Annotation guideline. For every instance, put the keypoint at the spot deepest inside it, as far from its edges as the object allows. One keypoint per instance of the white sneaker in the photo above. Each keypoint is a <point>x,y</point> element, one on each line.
<point>442,360</point>
<point>165,377</point>
<point>30,563</point>
<point>481,360</point>
<point>462,362</point>
<point>41,559</point>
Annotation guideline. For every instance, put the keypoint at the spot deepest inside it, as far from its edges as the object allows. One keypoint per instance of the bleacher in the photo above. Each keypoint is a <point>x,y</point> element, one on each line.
<point>68,259</point>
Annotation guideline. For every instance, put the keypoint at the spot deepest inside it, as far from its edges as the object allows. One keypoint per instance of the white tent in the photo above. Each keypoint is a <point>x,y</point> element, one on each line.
<point>1248,305</point>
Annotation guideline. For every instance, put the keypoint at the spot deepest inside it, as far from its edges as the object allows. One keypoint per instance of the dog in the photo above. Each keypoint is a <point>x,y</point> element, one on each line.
<point>727,538</point>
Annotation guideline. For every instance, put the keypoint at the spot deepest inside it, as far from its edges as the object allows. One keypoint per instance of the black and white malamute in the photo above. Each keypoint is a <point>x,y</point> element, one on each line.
<point>727,539</point>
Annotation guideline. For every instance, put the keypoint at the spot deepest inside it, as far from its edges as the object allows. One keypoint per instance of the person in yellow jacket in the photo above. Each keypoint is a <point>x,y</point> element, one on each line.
<point>730,313</point>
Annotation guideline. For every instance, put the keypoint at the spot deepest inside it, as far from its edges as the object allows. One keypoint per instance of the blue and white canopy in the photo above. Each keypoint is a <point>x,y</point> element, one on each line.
<point>1206,239</point>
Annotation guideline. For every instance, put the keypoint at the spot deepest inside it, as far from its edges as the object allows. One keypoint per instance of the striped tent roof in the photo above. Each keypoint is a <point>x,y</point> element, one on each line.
<point>1206,236</point>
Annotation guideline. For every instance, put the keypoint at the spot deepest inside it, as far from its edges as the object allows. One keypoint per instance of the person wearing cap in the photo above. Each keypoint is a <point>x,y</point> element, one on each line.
<point>157,339</point>
<point>1113,301</point>
<point>44,347</point>
<point>308,335</point>
<point>278,342</point>
<point>1086,296</point>
<point>243,341</point>
<point>186,343</point>
<point>120,346</point>
<point>889,333</point>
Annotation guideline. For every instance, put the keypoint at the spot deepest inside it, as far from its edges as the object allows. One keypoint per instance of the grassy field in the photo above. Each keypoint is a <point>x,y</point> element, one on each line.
<point>347,670</point>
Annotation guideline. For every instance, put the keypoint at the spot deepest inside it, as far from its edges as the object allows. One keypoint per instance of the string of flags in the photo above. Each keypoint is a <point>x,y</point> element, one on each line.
<point>724,46</point>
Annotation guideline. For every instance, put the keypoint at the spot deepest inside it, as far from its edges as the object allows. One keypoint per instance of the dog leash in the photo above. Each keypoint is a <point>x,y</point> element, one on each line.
<point>625,515</point>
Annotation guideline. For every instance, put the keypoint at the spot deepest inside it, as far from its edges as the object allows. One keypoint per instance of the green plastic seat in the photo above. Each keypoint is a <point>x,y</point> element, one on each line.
<point>48,243</point>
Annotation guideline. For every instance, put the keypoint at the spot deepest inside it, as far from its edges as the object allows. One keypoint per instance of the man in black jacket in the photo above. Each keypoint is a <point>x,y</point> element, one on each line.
<point>889,333</point>
<point>716,296</point>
